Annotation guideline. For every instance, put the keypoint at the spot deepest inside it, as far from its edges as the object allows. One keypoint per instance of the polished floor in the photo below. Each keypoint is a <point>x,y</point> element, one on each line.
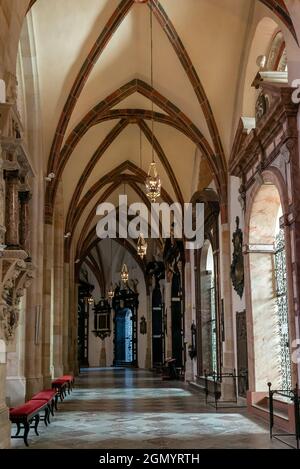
<point>123,408</point>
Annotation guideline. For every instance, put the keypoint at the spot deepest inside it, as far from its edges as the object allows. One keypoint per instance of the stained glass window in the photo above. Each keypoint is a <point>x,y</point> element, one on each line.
<point>282,310</point>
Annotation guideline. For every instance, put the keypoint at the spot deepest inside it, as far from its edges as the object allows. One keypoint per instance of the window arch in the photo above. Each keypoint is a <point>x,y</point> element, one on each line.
<point>208,306</point>
<point>276,59</point>
<point>269,291</point>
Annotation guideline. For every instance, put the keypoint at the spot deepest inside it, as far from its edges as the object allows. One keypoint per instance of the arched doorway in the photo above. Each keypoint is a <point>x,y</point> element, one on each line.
<point>207,288</point>
<point>125,305</point>
<point>123,337</point>
<point>269,291</point>
<point>209,326</point>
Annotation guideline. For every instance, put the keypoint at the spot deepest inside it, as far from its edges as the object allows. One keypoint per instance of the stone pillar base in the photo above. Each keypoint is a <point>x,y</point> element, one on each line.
<point>189,375</point>
<point>5,428</point>
<point>15,390</point>
<point>102,363</point>
<point>47,380</point>
<point>148,359</point>
<point>33,386</point>
<point>227,390</point>
<point>58,371</point>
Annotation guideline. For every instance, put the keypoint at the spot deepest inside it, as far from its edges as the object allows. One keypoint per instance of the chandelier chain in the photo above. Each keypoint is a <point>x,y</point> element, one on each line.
<point>152,81</point>
<point>141,147</point>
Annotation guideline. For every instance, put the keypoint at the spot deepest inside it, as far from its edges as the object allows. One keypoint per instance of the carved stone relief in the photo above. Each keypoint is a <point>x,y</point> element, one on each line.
<point>16,272</point>
<point>16,277</point>
<point>237,266</point>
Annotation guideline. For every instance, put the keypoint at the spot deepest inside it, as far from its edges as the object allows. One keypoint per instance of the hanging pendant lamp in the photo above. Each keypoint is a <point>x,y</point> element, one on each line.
<point>141,246</point>
<point>124,274</point>
<point>153,182</point>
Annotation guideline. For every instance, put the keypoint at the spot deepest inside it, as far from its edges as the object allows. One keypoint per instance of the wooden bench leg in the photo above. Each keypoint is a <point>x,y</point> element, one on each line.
<point>55,402</point>
<point>46,417</point>
<point>36,424</point>
<point>18,428</point>
<point>52,405</point>
<point>26,431</point>
<point>48,413</point>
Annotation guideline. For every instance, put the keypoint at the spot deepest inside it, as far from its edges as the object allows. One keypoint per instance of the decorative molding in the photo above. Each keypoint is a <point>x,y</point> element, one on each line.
<point>17,276</point>
<point>275,130</point>
<point>258,248</point>
<point>102,334</point>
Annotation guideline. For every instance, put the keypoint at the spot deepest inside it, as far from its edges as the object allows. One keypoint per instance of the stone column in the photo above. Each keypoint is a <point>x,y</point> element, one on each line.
<point>33,345</point>
<point>47,310</point>
<point>66,364</point>
<point>102,363</point>
<point>12,209</point>
<point>148,361</point>
<point>58,285</point>
<point>4,420</point>
<point>168,303</point>
<point>188,317</point>
<point>73,322</point>
<point>226,291</point>
<point>2,203</point>
<point>15,379</point>
<point>34,297</point>
<point>24,231</point>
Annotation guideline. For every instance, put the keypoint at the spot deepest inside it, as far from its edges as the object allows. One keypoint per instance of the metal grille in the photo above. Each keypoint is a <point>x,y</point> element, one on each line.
<point>282,310</point>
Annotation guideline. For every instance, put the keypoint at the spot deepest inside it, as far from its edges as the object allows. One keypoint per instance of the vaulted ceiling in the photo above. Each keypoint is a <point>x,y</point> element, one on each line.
<point>93,62</point>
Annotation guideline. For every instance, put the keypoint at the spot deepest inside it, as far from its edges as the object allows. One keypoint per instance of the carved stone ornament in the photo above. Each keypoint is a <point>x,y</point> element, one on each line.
<point>285,153</point>
<point>237,266</point>
<point>17,276</point>
<point>102,334</point>
<point>9,317</point>
<point>261,107</point>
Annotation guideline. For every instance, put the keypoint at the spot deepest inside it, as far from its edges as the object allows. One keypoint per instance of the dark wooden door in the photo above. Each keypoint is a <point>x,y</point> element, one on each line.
<point>158,333</point>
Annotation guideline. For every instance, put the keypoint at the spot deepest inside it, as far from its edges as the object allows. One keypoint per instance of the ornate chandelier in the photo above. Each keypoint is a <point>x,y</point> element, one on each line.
<point>110,292</point>
<point>153,182</point>
<point>141,246</point>
<point>124,274</point>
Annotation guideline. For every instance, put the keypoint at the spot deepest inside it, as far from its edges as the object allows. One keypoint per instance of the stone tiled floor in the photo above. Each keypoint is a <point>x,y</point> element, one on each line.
<point>122,408</point>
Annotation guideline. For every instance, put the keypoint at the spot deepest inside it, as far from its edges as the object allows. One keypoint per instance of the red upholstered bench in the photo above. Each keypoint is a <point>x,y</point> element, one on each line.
<point>25,414</point>
<point>69,379</point>
<point>60,386</point>
<point>50,396</point>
